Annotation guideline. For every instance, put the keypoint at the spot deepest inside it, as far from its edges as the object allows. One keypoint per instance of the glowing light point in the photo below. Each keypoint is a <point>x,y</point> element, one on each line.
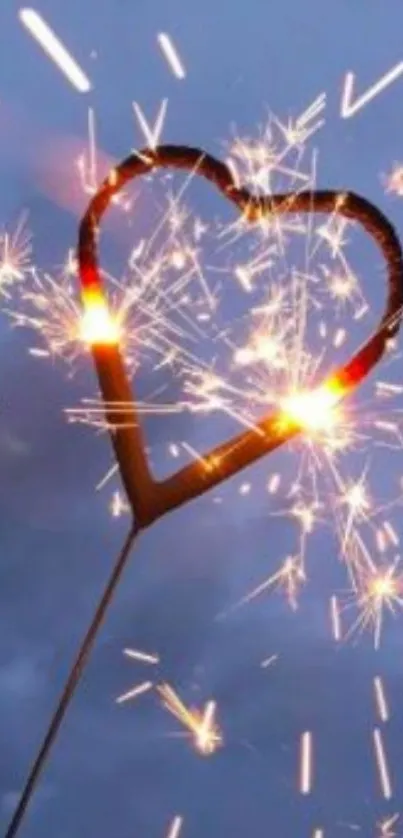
<point>97,326</point>
<point>314,410</point>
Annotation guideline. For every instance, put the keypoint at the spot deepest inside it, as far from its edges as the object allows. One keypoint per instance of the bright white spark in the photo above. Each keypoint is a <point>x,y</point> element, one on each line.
<point>386,827</point>
<point>54,48</point>
<point>349,108</point>
<point>135,692</point>
<point>306,763</point>
<point>268,661</point>
<point>382,765</point>
<point>171,55</point>
<point>152,135</point>
<point>144,657</point>
<point>175,827</point>
<point>380,699</point>
<point>335,618</point>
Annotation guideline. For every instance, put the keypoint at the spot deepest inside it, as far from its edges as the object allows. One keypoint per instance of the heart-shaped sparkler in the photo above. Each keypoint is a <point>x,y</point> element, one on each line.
<point>148,498</point>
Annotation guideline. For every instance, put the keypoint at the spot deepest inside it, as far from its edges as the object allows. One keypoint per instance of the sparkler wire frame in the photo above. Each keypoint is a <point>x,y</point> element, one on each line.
<point>149,500</point>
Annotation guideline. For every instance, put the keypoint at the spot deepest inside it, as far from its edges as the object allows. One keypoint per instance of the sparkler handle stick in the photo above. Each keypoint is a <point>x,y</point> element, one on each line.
<point>71,683</point>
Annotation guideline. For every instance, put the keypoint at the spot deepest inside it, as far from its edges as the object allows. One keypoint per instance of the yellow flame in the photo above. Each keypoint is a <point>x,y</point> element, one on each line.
<point>98,326</point>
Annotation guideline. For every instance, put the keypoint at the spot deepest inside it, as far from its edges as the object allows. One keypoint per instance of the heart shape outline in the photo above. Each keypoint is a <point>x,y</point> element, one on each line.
<point>150,499</point>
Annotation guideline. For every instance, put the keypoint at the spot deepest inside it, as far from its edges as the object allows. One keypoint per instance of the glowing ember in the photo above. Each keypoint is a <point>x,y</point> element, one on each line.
<point>97,326</point>
<point>314,410</point>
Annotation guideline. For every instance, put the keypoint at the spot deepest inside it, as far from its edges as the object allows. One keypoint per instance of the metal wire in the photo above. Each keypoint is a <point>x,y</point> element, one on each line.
<point>71,683</point>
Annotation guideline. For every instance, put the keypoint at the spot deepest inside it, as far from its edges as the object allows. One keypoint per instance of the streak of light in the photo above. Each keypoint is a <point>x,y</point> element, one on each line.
<point>118,505</point>
<point>305,776</point>
<point>38,353</point>
<point>152,135</point>
<point>335,618</point>
<point>273,484</point>
<point>290,577</point>
<point>394,180</point>
<point>110,473</point>
<point>144,657</point>
<point>318,833</point>
<point>175,827</point>
<point>171,55</point>
<point>135,692</point>
<point>15,256</point>
<point>382,765</point>
<point>298,131</point>
<point>54,48</point>
<point>207,464</point>
<point>347,108</point>
<point>202,725</point>
<point>386,826</point>
<point>378,590</point>
<point>268,661</point>
<point>380,699</point>
<point>391,533</point>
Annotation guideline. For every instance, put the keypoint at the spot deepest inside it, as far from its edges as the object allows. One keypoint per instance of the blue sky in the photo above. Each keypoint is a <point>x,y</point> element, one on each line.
<point>118,770</point>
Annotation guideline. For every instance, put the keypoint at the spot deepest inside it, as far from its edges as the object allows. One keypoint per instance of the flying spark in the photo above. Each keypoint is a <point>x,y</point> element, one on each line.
<point>306,766</point>
<point>140,689</point>
<point>175,827</point>
<point>349,108</point>
<point>143,657</point>
<point>202,725</point>
<point>380,699</point>
<point>382,765</point>
<point>171,55</point>
<point>54,48</point>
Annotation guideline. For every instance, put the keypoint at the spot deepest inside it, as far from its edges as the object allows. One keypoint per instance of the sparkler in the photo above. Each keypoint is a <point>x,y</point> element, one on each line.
<point>154,500</point>
<point>316,411</point>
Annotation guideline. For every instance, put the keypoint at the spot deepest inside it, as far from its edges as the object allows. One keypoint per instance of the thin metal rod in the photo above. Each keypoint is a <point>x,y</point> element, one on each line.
<point>71,683</point>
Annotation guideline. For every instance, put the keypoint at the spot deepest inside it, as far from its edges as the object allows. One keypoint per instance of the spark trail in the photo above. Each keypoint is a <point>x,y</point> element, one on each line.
<point>55,49</point>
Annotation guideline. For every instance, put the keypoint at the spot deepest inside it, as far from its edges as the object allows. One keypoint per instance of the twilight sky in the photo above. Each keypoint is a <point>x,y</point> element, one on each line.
<point>120,770</point>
